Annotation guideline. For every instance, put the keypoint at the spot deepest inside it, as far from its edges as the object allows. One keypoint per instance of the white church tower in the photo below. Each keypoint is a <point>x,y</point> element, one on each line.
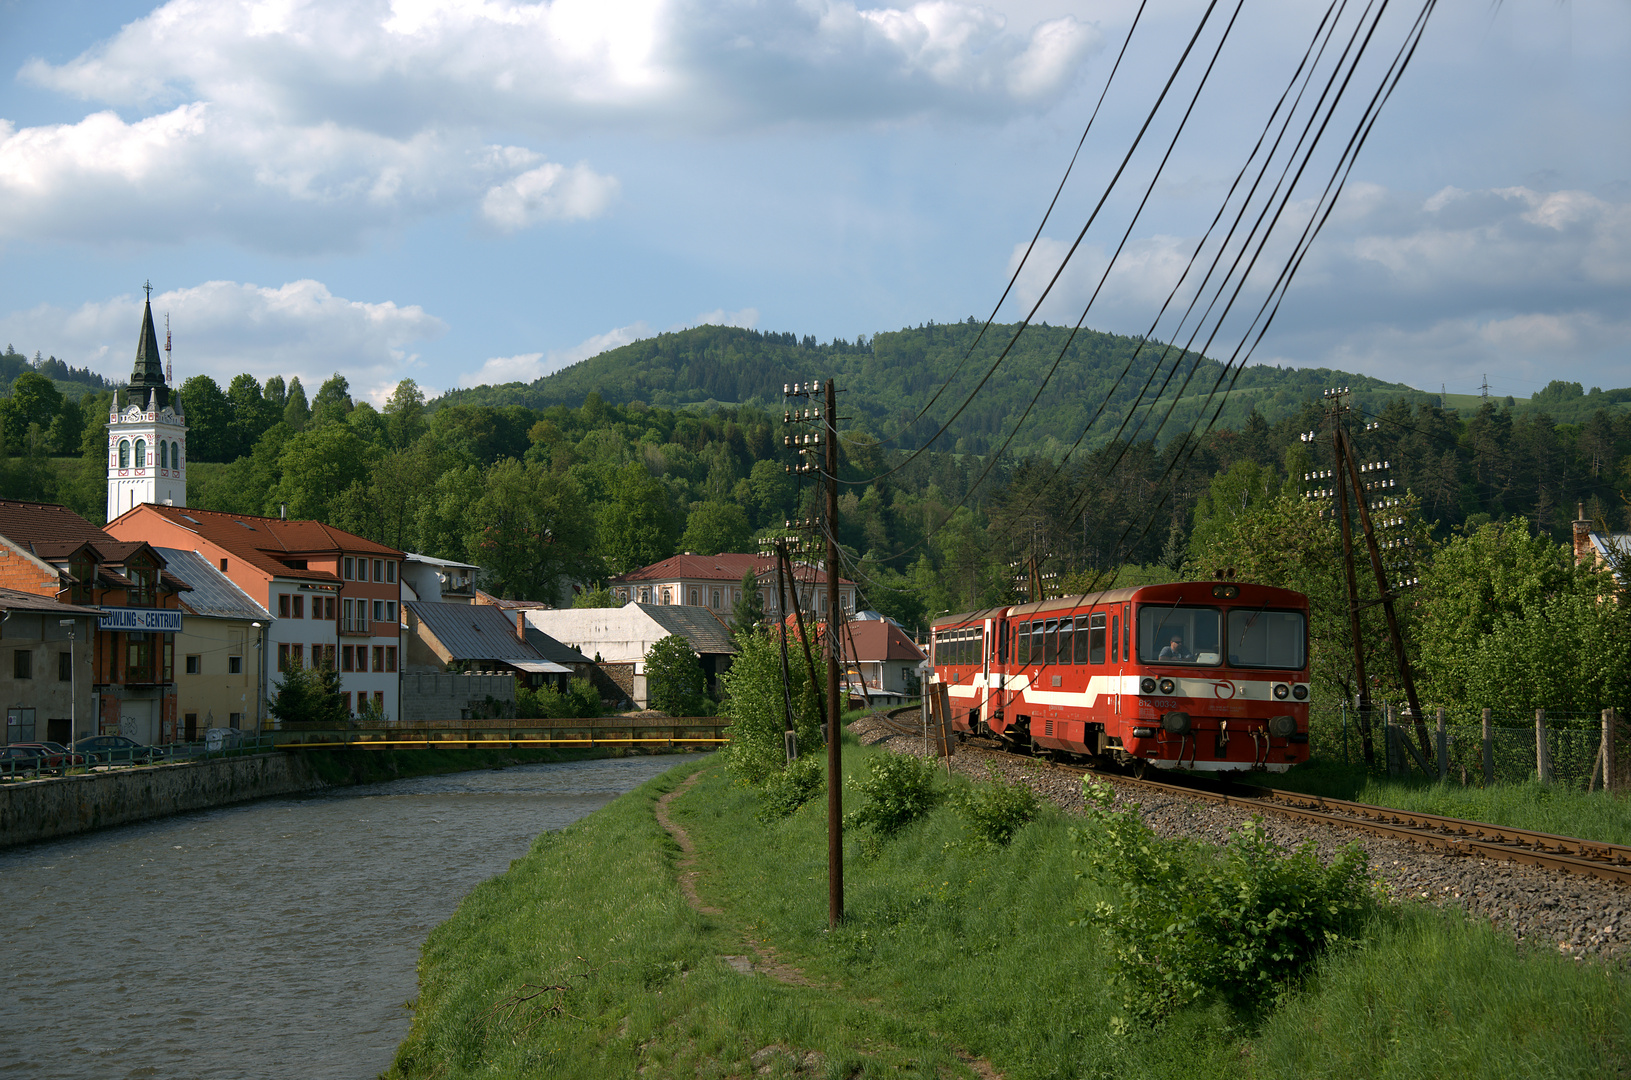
<point>147,435</point>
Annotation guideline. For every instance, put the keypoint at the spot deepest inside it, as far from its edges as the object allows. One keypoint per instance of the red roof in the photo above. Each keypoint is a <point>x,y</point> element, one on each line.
<point>47,525</point>
<point>263,542</point>
<point>729,566</point>
<point>879,639</point>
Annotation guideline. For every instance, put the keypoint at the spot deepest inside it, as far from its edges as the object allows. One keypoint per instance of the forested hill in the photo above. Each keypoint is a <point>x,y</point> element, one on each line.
<point>887,380</point>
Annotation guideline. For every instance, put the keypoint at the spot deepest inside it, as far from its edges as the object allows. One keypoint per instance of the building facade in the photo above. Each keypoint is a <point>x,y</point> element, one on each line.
<point>715,582</point>
<point>220,651</point>
<point>334,598</point>
<point>46,668</point>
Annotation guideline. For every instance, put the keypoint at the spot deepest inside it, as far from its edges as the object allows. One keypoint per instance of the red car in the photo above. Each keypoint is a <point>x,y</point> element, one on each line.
<point>38,756</point>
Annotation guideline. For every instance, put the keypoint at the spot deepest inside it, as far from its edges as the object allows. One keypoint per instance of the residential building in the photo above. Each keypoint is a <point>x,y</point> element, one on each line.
<point>333,596</point>
<point>220,651</point>
<point>715,582</point>
<point>881,661</point>
<point>441,581</point>
<point>1607,550</point>
<point>50,551</point>
<point>467,637</point>
<point>619,638</point>
<point>46,667</point>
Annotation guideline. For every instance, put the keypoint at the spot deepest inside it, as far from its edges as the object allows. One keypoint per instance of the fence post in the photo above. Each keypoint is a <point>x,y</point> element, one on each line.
<point>1443,747</point>
<point>1608,749</point>
<point>1489,748</point>
<point>1390,740</point>
<point>1344,733</point>
<point>1543,757</point>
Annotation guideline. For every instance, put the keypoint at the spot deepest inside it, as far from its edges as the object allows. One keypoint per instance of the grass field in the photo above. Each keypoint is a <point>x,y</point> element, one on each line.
<point>950,951</point>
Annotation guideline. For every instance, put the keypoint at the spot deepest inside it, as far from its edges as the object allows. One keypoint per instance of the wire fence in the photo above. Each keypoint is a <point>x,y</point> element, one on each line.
<point>1503,746</point>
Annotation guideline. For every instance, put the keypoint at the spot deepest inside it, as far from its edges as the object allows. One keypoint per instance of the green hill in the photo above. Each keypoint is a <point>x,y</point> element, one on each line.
<point>887,380</point>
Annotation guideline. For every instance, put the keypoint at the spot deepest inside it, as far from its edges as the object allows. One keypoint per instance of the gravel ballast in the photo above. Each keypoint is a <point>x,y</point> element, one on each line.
<point>1576,915</point>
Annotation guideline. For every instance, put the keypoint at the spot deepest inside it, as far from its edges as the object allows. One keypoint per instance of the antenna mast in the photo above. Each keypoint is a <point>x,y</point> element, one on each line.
<point>169,371</point>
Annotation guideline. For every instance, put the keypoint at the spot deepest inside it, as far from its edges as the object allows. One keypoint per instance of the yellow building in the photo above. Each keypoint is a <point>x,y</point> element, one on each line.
<point>220,666</point>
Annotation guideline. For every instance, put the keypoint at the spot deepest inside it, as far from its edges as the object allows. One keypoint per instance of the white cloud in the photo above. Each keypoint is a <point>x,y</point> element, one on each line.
<point>528,367</point>
<point>747,318</point>
<point>548,193</point>
<point>224,328</point>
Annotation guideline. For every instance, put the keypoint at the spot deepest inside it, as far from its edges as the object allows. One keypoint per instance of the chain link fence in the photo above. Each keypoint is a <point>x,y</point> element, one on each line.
<point>1562,748</point>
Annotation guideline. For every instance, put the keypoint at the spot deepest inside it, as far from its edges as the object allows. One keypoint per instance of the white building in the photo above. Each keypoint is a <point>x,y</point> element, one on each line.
<point>715,582</point>
<point>147,436</point>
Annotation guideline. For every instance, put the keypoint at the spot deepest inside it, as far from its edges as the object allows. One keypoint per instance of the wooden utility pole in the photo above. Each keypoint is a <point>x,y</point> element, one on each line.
<point>835,758</point>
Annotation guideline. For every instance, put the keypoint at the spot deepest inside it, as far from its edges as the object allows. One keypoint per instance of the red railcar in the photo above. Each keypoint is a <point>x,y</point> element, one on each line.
<point>1209,675</point>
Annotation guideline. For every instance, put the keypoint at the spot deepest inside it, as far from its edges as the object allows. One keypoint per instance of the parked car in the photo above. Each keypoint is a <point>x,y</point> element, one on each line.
<point>117,749</point>
<point>41,755</point>
<point>20,758</point>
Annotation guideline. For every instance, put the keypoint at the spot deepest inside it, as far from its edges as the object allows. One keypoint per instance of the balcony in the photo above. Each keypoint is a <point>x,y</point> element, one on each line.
<point>356,627</point>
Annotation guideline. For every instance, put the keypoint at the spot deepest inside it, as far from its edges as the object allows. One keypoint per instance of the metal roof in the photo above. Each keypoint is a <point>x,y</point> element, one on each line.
<point>473,631</point>
<point>14,600</point>
<point>706,632</point>
<point>213,594</point>
<point>552,650</point>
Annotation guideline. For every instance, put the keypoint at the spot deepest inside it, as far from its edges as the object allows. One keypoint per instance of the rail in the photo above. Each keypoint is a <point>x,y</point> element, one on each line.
<point>568,733</point>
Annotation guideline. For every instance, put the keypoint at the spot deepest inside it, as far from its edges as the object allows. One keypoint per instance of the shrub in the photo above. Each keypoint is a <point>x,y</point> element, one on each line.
<point>899,789</point>
<point>996,809</point>
<point>790,788</point>
<point>755,703</point>
<point>1239,927</point>
<point>579,699</point>
<point>675,682</point>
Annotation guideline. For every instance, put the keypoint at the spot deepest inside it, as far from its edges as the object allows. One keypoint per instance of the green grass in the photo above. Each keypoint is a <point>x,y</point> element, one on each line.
<point>947,945</point>
<point>1550,808</point>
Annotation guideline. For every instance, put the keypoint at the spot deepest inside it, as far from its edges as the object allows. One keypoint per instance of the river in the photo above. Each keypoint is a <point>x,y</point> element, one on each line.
<point>270,939</point>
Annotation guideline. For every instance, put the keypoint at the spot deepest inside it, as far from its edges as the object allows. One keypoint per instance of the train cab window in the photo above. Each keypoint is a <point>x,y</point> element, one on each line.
<point>1275,639</point>
<point>1002,643</point>
<point>1173,634</point>
<point>1115,637</point>
<point>1127,631</point>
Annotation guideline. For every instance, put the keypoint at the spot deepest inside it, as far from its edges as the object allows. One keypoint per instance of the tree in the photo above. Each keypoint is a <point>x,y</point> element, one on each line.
<point>296,413</point>
<point>252,414</point>
<point>713,527</point>
<point>597,597</point>
<point>316,466</point>
<point>210,434</point>
<point>675,682</point>
<point>405,414</point>
<point>530,531</point>
<point>35,400</point>
<point>749,611</point>
<point>67,429</point>
<point>333,401</point>
<point>309,695</point>
<point>635,525</point>
<point>756,702</point>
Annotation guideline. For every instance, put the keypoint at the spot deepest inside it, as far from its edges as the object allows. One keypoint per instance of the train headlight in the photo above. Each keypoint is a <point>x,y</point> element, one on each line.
<point>1300,692</point>
<point>1282,727</point>
<point>1176,723</point>
<point>1146,685</point>
<point>1168,686</point>
<point>1281,691</point>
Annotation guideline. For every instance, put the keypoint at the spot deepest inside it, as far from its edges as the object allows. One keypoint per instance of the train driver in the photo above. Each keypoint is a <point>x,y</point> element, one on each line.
<point>1175,649</point>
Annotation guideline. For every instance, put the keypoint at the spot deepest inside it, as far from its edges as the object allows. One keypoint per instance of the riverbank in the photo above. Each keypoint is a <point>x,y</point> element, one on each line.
<point>956,958</point>
<point>57,807</point>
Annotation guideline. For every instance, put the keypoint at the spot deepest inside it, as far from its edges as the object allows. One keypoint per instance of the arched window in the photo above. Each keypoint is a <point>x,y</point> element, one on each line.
<point>124,453</point>
<point>164,454</point>
<point>141,453</point>
<point>175,455</point>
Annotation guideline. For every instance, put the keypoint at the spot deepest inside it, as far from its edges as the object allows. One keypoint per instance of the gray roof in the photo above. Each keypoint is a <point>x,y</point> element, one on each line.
<point>550,649</point>
<point>15,600</point>
<point>213,594</point>
<point>473,631</point>
<point>706,631</point>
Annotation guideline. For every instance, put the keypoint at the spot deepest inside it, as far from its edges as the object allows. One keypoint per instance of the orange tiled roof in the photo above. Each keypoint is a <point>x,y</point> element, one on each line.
<point>266,542</point>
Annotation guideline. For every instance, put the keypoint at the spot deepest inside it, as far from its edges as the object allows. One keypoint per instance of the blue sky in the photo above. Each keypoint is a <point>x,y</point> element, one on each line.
<point>461,191</point>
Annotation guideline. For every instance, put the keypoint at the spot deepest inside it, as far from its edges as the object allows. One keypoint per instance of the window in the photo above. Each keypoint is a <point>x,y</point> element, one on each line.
<point>283,656</point>
<point>1090,645</point>
<point>283,606</point>
<point>390,658</point>
<point>346,698</point>
<point>141,453</point>
<point>645,596</point>
<point>19,725</point>
<point>138,658</point>
<point>223,566</point>
<point>328,608</point>
<point>142,580</point>
<point>713,599</point>
<point>235,665</point>
<point>1168,634</point>
<point>379,569</point>
<point>379,610</point>
<point>668,596</point>
<point>695,598</point>
<point>348,569</point>
<point>297,654</point>
<point>235,720</point>
<point>1050,643</point>
<point>390,611</point>
<point>379,702</point>
<point>346,653</point>
<point>1272,639</point>
<point>300,607</point>
<point>328,654</point>
<point>379,658</point>
<point>1115,636</point>
<point>390,573</point>
<point>193,664</point>
<point>22,664</point>
<point>175,455</point>
<point>169,659</point>
<point>190,720</point>
<point>124,453</point>
<point>65,666</point>
<point>164,454</point>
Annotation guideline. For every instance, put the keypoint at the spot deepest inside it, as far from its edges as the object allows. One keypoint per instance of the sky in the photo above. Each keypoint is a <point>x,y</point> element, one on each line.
<point>470,191</point>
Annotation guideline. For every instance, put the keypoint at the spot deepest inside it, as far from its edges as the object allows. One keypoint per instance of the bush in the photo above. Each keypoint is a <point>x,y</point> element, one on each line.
<point>757,709</point>
<point>1239,928</point>
<point>579,699</point>
<point>790,788</point>
<point>997,809</point>
<point>675,682</point>
<point>899,789</point>
<point>310,695</point>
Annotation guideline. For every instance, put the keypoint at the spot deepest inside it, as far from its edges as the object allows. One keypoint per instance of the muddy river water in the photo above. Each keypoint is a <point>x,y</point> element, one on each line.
<point>272,939</point>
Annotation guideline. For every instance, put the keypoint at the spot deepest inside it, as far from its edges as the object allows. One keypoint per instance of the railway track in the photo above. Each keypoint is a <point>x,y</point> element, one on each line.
<point>1452,836</point>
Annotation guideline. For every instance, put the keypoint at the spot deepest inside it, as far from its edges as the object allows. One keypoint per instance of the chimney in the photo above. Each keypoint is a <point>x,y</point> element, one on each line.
<point>520,624</point>
<point>283,511</point>
<point>1582,536</point>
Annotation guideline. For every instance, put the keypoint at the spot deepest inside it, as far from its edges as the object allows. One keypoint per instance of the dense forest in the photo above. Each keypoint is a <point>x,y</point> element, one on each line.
<point>615,463</point>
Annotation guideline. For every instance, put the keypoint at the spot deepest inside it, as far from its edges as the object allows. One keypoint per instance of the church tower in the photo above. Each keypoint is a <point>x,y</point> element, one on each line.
<point>147,435</point>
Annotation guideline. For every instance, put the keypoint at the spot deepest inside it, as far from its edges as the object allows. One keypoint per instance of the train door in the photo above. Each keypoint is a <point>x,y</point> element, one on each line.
<point>1115,664</point>
<point>982,698</point>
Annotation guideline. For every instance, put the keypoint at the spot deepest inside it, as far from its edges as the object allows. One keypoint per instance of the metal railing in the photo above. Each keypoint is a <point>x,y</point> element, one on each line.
<point>234,744</point>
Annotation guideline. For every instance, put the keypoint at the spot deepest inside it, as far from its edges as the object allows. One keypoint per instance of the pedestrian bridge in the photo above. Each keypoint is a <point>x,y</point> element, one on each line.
<point>651,732</point>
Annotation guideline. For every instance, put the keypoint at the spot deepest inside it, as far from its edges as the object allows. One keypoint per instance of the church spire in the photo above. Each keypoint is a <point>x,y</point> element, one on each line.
<point>147,378</point>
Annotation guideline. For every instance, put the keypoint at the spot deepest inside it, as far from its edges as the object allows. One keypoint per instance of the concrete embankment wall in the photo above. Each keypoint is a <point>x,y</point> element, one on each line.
<point>62,806</point>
